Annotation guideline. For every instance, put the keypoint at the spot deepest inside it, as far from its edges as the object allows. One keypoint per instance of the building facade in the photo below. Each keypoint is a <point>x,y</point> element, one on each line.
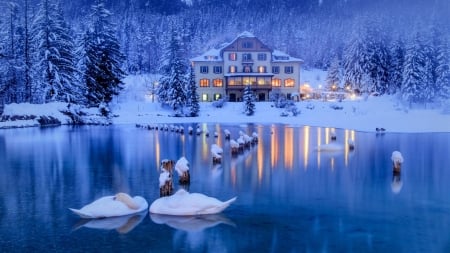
<point>224,72</point>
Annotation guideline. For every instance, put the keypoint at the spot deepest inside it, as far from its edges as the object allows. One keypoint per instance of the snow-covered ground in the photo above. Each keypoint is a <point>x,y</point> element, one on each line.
<point>134,105</point>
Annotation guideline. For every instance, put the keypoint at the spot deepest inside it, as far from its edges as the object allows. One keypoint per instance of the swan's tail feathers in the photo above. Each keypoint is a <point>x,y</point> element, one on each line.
<point>81,214</point>
<point>228,202</point>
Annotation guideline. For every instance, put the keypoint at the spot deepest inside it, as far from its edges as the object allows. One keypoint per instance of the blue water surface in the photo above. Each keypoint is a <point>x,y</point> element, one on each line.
<point>291,198</point>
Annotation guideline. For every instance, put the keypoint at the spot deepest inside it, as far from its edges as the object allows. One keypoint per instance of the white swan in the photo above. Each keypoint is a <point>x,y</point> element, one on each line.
<point>112,206</point>
<point>185,203</point>
<point>122,224</point>
<point>191,223</point>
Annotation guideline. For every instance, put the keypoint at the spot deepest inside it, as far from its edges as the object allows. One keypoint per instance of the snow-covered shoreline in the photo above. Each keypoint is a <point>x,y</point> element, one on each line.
<point>133,106</point>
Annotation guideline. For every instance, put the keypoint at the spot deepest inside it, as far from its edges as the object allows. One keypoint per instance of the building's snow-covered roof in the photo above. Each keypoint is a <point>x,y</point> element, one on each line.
<point>246,34</point>
<point>214,55</point>
<point>279,56</point>
<point>210,55</point>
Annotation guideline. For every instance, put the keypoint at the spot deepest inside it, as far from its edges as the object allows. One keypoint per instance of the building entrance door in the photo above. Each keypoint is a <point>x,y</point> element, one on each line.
<point>262,97</point>
<point>232,97</point>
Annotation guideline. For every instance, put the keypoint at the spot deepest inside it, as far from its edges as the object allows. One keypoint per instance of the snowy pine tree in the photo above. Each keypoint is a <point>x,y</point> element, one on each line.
<point>249,101</point>
<point>333,75</point>
<point>443,70</point>
<point>353,63</point>
<point>397,59</point>
<point>54,62</point>
<point>173,81</point>
<point>103,58</point>
<point>415,73</point>
<point>192,95</point>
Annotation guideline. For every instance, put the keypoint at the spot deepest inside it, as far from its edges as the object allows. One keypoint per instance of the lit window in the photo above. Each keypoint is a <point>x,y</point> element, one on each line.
<point>276,69</point>
<point>262,69</point>
<point>288,69</point>
<point>276,82</point>
<point>261,81</point>
<point>246,80</point>
<point>262,57</point>
<point>217,69</point>
<point>204,69</point>
<point>204,82</point>
<point>289,82</point>
<point>204,97</point>
<point>232,57</point>
<point>247,44</point>
<point>217,96</point>
<point>217,82</point>
<point>231,82</point>
<point>233,69</point>
<point>247,69</point>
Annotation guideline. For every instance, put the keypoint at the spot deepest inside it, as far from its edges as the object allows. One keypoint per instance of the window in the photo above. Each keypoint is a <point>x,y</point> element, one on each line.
<point>276,82</point>
<point>288,69</point>
<point>217,82</point>
<point>262,57</point>
<point>217,96</point>
<point>247,57</point>
<point>204,69</point>
<point>204,97</point>
<point>233,69</point>
<point>263,80</point>
<point>247,69</point>
<point>289,82</point>
<point>261,69</point>
<point>247,44</point>
<point>204,82</point>
<point>217,69</point>
<point>276,69</point>
<point>232,57</point>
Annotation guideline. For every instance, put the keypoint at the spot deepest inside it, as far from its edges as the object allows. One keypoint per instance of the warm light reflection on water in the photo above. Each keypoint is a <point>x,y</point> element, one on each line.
<point>274,146</point>
<point>305,146</point>
<point>289,148</point>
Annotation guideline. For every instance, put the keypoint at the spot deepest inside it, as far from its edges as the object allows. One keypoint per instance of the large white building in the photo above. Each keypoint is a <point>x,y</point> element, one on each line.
<point>245,61</point>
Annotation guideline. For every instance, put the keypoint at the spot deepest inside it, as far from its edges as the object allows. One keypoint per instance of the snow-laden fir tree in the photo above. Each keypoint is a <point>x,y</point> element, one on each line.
<point>415,86</point>
<point>54,62</point>
<point>353,62</point>
<point>443,70</point>
<point>333,74</point>
<point>249,101</point>
<point>173,81</point>
<point>192,94</point>
<point>397,59</point>
<point>103,57</point>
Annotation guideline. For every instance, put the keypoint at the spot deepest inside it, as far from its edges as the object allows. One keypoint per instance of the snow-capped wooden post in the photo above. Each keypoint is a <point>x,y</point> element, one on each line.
<point>333,134</point>
<point>234,146</point>
<point>216,152</point>
<point>397,160</point>
<point>165,183</point>
<point>182,168</point>
<point>227,134</point>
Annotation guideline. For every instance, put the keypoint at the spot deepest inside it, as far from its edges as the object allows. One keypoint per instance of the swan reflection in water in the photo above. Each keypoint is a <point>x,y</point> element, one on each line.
<point>195,223</point>
<point>122,224</point>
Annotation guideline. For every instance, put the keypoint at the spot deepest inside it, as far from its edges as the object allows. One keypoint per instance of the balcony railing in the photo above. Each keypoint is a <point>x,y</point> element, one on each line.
<point>254,86</point>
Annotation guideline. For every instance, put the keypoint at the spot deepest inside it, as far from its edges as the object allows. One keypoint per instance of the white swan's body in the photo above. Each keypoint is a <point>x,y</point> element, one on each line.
<point>110,206</point>
<point>185,203</point>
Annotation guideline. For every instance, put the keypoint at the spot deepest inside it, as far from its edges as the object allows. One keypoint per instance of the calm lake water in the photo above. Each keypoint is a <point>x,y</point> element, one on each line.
<point>291,198</point>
